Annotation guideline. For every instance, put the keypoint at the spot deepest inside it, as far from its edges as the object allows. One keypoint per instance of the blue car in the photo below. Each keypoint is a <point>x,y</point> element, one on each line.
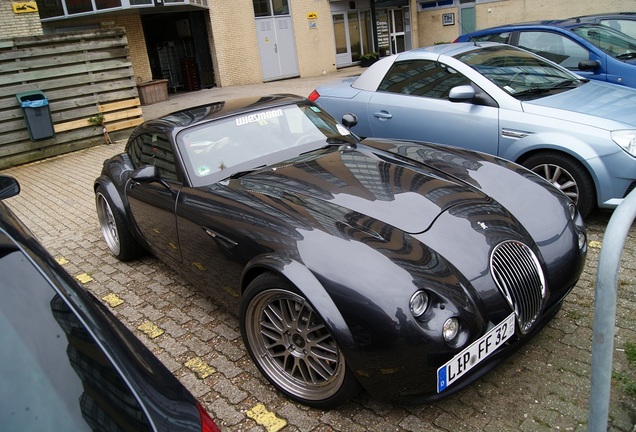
<point>593,51</point>
<point>579,134</point>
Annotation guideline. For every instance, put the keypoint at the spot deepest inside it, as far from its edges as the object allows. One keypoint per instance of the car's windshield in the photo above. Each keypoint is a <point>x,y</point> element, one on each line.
<point>221,148</point>
<point>518,72</point>
<point>612,42</point>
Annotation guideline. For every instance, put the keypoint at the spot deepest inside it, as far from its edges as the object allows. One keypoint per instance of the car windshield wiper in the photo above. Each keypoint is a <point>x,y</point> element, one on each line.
<point>333,141</point>
<point>568,83</point>
<point>532,91</point>
<point>244,172</point>
<point>572,82</point>
<point>626,56</point>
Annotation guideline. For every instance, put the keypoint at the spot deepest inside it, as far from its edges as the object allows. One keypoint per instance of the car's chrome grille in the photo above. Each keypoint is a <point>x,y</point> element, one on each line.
<point>517,273</point>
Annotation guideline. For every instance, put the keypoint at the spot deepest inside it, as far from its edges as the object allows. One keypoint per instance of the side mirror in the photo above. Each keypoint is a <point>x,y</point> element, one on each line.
<point>586,65</point>
<point>146,174</point>
<point>349,120</point>
<point>464,93</point>
<point>8,187</point>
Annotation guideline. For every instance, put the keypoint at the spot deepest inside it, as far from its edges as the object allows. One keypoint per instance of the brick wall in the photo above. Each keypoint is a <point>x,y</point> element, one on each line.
<point>430,29</point>
<point>16,25</point>
<point>137,45</point>
<point>236,55</point>
<point>234,46</point>
<point>315,43</point>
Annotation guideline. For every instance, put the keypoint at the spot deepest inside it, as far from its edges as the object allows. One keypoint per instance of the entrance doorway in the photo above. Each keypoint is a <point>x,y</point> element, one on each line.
<point>467,20</point>
<point>276,42</point>
<point>352,32</point>
<point>394,30</point>
<point>178,50</point>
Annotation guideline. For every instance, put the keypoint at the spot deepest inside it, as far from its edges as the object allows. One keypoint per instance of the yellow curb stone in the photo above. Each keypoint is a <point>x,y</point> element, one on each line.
<point>61,260</point>
<point>84,278</point>
<point>113,300</point>
<point>595,244</point>
<point>266,418</point>
<point>150,329</point>
<point>199,266</point>
<point>199,367</point>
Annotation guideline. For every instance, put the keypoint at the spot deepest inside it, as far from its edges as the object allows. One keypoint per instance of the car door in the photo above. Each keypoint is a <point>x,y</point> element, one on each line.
<point>152,204</point>
<point>412,103</point>
<point>562,50</point>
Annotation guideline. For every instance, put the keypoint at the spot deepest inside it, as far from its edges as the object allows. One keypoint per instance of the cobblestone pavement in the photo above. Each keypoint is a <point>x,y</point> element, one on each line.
<point>545,386</point>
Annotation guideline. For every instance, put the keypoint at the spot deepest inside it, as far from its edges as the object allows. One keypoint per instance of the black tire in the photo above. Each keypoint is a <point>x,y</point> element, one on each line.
<point>568,175</point>
<point>118,238</point>
<point>292,347</point>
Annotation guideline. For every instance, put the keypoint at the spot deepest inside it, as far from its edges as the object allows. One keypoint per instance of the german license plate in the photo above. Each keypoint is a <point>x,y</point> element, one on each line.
<point>470,357</point>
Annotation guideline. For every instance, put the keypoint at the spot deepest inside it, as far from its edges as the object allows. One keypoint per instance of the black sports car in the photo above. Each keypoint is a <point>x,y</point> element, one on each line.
<point>407,268</point>
<point>66,363</point>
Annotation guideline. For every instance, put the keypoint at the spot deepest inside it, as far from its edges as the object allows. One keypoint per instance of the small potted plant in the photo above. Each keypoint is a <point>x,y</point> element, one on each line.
<point>368,59</point>
<point>98,120</point>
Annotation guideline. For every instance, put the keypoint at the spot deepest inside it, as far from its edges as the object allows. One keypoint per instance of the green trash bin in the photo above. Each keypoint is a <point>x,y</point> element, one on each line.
<point>37,114</point>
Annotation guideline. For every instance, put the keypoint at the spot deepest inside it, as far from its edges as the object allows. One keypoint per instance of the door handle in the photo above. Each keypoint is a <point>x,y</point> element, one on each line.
<point>383,115</point>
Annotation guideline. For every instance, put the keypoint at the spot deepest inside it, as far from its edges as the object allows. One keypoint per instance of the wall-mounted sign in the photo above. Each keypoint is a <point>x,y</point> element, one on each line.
<point>448,19</point>
<point>312,15</point>
<point>25,7</point>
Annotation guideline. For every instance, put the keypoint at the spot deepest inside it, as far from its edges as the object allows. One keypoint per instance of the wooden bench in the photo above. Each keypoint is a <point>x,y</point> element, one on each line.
<point>117,116</point>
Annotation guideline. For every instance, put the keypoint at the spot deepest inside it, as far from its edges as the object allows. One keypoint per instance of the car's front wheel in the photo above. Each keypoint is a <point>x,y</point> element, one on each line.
<point>567,175</point>
<point>290,344</point>
<point>119,240</point>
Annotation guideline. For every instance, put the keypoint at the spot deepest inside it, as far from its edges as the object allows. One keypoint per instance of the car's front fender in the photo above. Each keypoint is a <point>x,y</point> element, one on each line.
<point>113,193</point>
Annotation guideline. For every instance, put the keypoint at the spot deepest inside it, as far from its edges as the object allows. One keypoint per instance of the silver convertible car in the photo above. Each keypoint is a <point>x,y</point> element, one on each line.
<point>498,99</point>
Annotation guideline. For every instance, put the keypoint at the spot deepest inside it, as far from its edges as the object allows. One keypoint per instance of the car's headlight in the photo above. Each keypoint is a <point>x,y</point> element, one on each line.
<point>419,303</point>
<point>572,211</point>
<point>626,139</point>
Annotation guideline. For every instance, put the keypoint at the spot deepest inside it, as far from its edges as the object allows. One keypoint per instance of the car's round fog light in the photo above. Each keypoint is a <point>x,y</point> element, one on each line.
<point>450,329</point>
<point>419,303</point>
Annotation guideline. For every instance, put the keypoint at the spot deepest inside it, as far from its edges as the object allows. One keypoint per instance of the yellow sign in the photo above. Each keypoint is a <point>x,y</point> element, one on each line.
<point>312,15</point>
<point>25,7</point>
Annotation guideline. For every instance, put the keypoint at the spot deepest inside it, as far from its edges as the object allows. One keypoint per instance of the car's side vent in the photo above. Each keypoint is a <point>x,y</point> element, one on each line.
<point>517,273</point>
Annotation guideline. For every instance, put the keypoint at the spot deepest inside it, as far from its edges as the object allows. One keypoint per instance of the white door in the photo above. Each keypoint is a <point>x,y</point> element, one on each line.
<point>277,47</point>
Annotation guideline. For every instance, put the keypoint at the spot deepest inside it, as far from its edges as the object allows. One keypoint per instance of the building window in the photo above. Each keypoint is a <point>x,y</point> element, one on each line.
<point>263,8</point>
<point>435,4</point>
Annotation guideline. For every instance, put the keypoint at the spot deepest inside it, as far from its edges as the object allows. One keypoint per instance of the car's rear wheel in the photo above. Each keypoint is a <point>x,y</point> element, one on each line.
<point>119,240</point>
<point>567,175</point>
<point>290,344</point>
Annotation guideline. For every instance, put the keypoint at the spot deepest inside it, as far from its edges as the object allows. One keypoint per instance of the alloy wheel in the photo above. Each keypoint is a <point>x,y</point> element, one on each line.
<point>293,346</point>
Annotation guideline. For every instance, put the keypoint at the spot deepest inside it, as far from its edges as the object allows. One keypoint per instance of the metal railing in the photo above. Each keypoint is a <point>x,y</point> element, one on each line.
<point>606,293</point>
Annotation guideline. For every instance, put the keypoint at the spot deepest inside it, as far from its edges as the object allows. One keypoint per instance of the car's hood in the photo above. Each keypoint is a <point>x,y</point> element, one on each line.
<point>355,186</point>
<point>594,103</point>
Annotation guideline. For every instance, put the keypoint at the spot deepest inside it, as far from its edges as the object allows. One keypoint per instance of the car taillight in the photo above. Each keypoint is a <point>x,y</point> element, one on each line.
<point>207,424</point>
<point>313,96</point>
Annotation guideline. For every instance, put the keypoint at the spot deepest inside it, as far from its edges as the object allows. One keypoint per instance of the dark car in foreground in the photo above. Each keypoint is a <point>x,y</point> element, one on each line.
<point>406,268</point>
<point>593,51</point>
<point>67,364</point>
<point>578,134</point>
